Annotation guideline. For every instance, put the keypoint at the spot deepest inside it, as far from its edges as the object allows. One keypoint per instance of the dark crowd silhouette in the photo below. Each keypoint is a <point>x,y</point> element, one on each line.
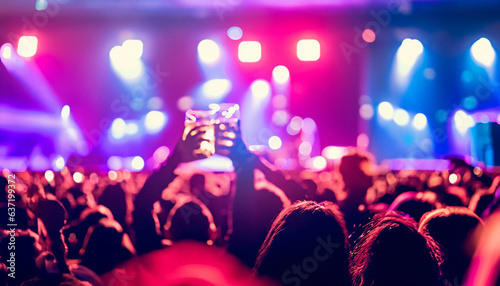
<point>353,224</point>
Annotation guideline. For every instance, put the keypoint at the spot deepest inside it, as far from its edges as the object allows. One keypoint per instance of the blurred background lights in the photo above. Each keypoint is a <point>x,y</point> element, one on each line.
<point>260,88</point>
<point>65,112</point>
<point>280,117</point>
<point>308,50</point>
<point>155,102</point>
<point>409,51</point>
<point>131,128</point>
<point>6,51</point>
<point>419,121</point>
<point>216,88</point>
<point>366,111</point>
<point>368,35</point>
<point>274,142</point>
<point>234,33</point>
<point>318,163</point>
<point>308,125</point>
<point>385,110</point>
<point>305,148</point>
<point>296,123</point>
<point>429,73</point>
<point>114,163</point>
<point>112,175</point>
<point>184,103</point>
<point>333,152</point>
<point>461,121</point>
<point>126,59</point>
<point>27,46</point>
<point>453,178</point>
<point>78,177</point>
<point>155,121</point>
<point>161,154</point>
<point>483,53</point>
<point>49,176</point>
<point>41,5</point>
<point>208,51</point>
<point>249,51</point>
<point>58,163</point>
<point>280,101</point>
<point>401,117</point>
<point>118,128</point>
<point>133,48</point>
<point>281,74</point>
<point>137,163</point>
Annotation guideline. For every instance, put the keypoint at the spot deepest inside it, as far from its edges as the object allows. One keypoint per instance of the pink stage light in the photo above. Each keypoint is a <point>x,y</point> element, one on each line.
<point>368,36</point>
<point>27,46</point>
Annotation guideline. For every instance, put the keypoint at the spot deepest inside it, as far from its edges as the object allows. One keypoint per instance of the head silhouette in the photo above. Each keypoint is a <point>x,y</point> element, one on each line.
<point>189,223</point>
<point>306,245</point>
<point>391,252</point>
<point>452,228</point>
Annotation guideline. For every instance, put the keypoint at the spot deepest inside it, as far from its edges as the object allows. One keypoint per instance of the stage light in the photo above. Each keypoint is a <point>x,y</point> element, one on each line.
<point>118,128</point>
<point>419,121</point>
<point>249,51</point>
<point>453,178</point>
<point>155,103</point>
<point>429,73</point>
<point>483,53</point>
<point>274,142</point>
<point>280,117</point>
<point>27,46</point>
<point>281,74</point>
<point>366,111</point>
<point>155,121</point>
<point>406,56</point>
<point>296,123</point>
<point>280,101</point>
<point>41,5</point>
<point>112,175</point>
<point>308,125</point>
<point>132,128</point>
<point>161,154</point>
<point>58,164</point>
<point>470,102</point>
<point>318,163</point>
<point>49,176</point>
<point>208,51</point>
<point>126,59</point>
<point>260,88</point>
<point>385,110</point>
<point>114,163</point>
<point>235,33</point>
<point>133,48</point>
<point>308,50</point>
<point>65,112</point>
<point>401,117</point>
<point>409,51</point>
<point>184,103</point>
<point>6,51</point>
<point>216,88</point>
<point>462,121</point>
<point>368,35</point>
<point>305,148</point>
<point>333,152</point>
<point>291,131</point>
<point>362,141</point>
<point>137,163</point>
<point>78,177</point>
